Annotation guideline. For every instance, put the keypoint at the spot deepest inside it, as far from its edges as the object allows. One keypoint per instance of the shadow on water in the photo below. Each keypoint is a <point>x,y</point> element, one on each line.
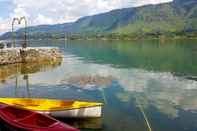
<point>89,124</point>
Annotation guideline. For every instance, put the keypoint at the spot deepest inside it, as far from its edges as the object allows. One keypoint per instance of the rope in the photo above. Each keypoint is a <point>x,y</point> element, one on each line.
<point>144,114</point>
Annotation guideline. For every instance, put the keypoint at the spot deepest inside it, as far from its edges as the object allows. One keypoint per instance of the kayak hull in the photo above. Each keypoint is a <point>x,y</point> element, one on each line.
<point>89,112</point>
<point>9,127</point>
<point>15,119</point>
<point>58,108</point>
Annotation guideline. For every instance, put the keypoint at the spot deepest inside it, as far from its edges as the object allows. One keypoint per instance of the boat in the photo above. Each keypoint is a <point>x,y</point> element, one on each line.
<point>17,119</point>
<point>58,108</point>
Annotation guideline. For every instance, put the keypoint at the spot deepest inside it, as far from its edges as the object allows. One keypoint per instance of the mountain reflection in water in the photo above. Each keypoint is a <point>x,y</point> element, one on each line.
<point>157,77</point>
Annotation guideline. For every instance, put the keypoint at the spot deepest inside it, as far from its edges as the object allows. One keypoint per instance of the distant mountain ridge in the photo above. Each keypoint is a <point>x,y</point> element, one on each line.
<point>174,18</point>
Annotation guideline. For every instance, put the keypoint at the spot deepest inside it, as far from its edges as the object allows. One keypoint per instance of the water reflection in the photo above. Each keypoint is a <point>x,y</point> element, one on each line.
<point>27,86</point>
<point>126,76</point>
<point>176,56</point>
<point>10,71</point>
<point>22,71</point>
<point>162,90</point>
<point>88,82</point>
<point>85,124</point>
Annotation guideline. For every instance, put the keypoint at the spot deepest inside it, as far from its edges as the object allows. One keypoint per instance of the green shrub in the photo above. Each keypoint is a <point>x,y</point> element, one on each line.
<point>2,45</point>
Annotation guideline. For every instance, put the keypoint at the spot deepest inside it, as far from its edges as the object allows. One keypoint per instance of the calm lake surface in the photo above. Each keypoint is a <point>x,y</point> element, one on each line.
<point>144,84</point>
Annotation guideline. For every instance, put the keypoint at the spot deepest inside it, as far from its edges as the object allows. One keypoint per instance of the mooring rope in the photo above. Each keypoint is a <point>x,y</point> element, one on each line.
<point>145,118</point>
<point>144,114</point>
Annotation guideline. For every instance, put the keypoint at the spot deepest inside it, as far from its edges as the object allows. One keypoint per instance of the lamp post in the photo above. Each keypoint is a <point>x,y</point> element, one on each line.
<point>13,33</point>
<point>24,45</point>
<point>19,20</point>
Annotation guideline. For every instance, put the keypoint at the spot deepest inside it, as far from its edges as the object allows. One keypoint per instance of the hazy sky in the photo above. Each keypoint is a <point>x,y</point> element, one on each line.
<point>59,11</point>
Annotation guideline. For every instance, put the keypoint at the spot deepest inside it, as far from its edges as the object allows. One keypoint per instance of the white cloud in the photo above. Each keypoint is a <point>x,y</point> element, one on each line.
<point>59,11</point>
<point>18,12</point>
<point>144,2</point>
<point>5,25</point>
<point>41,19</point>
<point>69,10</point>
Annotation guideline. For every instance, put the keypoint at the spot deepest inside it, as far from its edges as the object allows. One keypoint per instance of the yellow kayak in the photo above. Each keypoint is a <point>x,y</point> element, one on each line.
<point>57,108</point>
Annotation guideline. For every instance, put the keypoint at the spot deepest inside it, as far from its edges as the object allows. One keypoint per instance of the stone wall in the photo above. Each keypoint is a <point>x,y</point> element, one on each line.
<point>28,55</point>
<point>10,56</point>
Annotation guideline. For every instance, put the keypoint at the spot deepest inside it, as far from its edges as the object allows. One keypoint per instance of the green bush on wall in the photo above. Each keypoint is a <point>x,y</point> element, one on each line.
<point>2,45</point>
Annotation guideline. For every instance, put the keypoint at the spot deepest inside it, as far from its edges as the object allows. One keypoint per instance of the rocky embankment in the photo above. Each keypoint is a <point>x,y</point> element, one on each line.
<point>28,55</point>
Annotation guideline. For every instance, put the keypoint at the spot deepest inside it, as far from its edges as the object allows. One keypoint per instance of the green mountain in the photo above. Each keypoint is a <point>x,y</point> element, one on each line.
<point>170,19</point>
<point>178,17</point>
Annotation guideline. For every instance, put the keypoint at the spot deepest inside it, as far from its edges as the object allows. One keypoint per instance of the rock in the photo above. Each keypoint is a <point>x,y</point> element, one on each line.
<point>29,55</point>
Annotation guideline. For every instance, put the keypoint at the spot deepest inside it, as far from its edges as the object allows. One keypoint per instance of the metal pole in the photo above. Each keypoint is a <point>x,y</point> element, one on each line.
<point>13,41</point>
<point>13,33</point>
<point>24,45</point>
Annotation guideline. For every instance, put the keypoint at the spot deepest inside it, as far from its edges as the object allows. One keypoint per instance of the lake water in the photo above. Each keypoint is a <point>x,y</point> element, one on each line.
<point>145,85</point>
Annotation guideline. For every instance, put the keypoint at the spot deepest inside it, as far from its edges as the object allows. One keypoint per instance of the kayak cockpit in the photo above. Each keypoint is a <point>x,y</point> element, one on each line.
<point>15,114</point>
<point>26,118</point>
<point>15,118</point>
<point>38,120</point>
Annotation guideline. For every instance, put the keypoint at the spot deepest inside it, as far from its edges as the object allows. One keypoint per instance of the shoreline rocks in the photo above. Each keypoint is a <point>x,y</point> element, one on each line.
<point>29,55</point>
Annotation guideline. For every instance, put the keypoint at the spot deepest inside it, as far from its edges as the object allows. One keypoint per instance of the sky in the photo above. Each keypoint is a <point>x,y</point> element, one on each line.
<point>59,11</point>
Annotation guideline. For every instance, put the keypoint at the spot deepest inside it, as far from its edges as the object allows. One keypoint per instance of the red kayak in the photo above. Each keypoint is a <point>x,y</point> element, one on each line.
<point>20,119</point>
